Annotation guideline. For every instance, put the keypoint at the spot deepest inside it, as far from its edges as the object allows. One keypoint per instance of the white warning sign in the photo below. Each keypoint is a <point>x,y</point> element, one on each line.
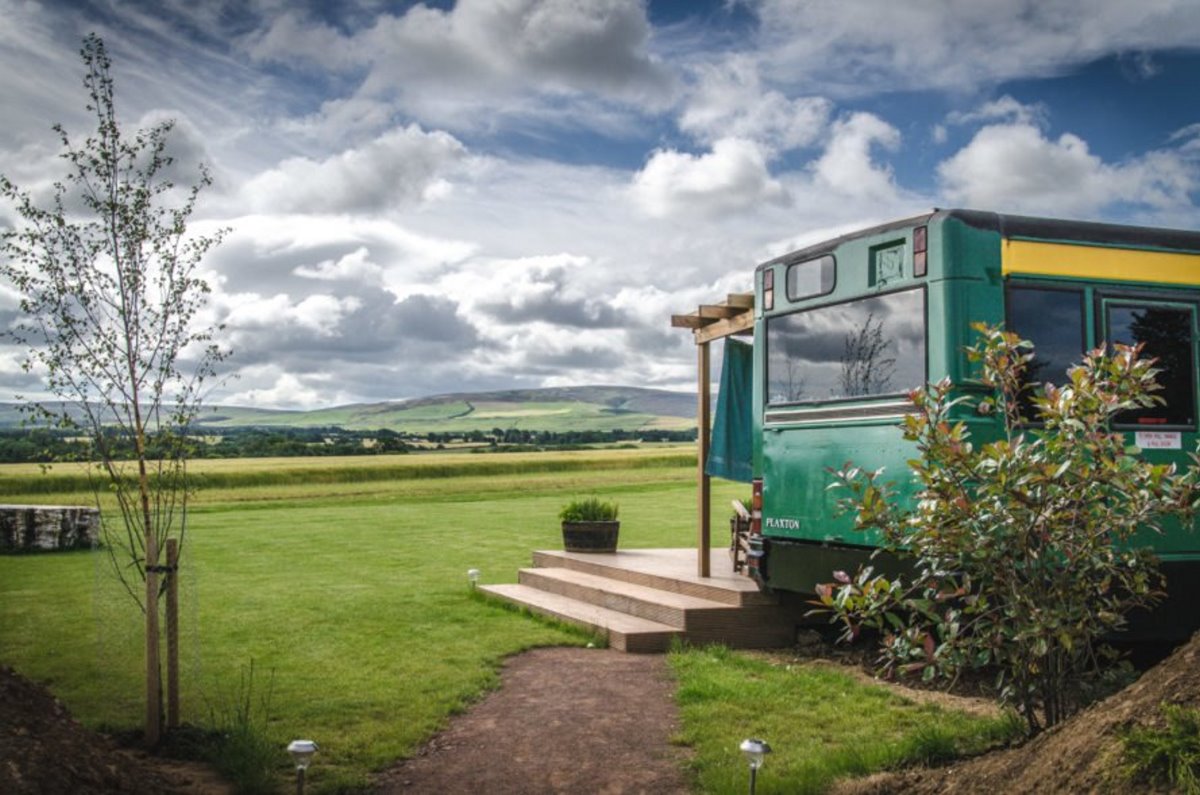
<point>1158,440</point>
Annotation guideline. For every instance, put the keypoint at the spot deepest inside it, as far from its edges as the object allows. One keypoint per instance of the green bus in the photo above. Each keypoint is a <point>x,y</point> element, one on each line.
<point>844,329</point>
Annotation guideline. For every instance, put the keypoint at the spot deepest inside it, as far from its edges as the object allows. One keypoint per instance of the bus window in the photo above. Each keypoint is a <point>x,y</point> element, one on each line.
<point>1052,319</point>
<point>861,348</point>
<point>1166,332</point>
<point>811,278</point>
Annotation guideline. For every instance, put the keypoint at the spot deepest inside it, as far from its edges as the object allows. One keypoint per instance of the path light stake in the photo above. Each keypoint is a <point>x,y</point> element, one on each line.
<point>755,751</point>
<point>473,577</point>
<point>302,753</point>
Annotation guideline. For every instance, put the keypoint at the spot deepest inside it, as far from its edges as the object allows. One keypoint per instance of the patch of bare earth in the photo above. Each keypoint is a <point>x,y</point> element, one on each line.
<point>1083,754</point>
<point>43,750</point>
<point>564,720</point>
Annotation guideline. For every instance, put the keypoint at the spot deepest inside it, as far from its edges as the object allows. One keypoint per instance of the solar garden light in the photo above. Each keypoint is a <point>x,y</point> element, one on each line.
<point>756,752</point>
<point>302,753</point>
<point>473,577</point>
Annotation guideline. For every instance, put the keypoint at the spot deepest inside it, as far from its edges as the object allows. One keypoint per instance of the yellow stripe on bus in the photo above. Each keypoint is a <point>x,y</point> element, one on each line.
<point>1097,262</point>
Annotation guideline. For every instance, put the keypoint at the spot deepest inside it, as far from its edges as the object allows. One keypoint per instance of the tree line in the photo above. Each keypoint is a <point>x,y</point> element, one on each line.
<point>43,446</point>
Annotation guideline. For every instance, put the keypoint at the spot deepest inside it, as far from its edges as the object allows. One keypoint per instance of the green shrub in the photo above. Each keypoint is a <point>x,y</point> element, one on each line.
<point>1020,545</point>
<point>1167,757</point>
<point>242,750</point>
<point>592,509</point>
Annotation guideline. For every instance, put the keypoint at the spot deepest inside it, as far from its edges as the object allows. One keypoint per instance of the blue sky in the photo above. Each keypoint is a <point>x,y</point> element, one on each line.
<point>488,194</point>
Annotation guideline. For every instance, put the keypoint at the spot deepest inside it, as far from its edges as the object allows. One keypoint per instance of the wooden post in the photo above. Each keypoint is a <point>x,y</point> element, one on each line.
<point>153,676</point>
<point>173,633</point>
<point>704,533</point>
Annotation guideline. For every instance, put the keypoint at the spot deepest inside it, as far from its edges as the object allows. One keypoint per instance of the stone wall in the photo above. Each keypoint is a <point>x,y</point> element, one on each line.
<point>37,528</point>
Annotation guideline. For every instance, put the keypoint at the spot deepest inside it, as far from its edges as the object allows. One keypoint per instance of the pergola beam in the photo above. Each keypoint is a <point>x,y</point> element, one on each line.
<point>724,328</point>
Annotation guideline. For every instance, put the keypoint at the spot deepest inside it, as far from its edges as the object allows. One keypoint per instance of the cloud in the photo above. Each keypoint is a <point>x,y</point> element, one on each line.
<point>862,46</point>
<point>447,66</point>
<point>538,289</point>
<point>435,318</point>
<point>397,168</point>
<point>318,314</point>
<point>729,101</point>
<point>352,267</point>
<point>1005,109</point>
<point>847,165</point>
<point>1016,167</point>
<point>284,390</point>
<point>731,178</point>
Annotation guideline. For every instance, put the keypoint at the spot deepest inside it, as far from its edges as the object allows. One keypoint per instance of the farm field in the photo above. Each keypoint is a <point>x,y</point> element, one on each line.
<point>343,583</point>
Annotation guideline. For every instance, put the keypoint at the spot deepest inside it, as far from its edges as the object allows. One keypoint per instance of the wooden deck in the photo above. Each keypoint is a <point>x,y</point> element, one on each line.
<point>643,598</point>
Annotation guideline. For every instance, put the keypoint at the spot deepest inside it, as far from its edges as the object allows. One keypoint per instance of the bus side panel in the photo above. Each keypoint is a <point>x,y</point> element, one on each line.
<point>797,501</point>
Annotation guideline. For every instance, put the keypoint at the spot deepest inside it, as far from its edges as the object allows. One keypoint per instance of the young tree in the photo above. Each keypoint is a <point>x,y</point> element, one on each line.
<point>110,291</point>
<point>1022,548</point>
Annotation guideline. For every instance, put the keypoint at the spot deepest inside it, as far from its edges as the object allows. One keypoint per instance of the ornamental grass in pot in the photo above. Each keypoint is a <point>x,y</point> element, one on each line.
<point>590,525</point>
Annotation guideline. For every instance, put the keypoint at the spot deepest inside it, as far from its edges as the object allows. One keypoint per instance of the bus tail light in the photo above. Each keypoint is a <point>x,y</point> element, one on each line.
<point>920,247</point>
<point>756,505</point>
<point>768,289</point>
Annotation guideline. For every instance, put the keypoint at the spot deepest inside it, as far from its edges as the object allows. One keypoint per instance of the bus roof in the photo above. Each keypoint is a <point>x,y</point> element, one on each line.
<point>1020,227</point>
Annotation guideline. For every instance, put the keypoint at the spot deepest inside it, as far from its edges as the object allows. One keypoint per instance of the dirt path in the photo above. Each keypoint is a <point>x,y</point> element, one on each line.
<point>565,720</point>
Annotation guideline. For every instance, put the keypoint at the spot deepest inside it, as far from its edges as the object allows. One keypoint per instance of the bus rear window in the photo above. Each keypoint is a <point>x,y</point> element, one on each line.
<point>1166,333</point>
<point>862,348</point>
<point>811,278</point>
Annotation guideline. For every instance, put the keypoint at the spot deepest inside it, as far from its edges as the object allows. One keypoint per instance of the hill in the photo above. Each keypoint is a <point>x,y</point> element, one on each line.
<point>585,408</point>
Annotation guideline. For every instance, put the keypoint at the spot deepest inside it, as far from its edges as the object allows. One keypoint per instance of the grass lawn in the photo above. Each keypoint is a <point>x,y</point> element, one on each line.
<point>822,723</point>
<point>349,595</point>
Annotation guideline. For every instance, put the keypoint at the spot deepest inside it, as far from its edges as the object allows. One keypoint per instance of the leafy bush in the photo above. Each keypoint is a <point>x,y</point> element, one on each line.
<point>1169,756</point>
<point>592,509</point>
<point>1020,546</point>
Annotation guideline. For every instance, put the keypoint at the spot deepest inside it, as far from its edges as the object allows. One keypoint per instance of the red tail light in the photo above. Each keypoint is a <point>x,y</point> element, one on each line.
<point>920,247</point>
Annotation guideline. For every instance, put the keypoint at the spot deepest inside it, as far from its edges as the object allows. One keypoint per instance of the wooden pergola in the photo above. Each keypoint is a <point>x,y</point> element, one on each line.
<point>734,316</point>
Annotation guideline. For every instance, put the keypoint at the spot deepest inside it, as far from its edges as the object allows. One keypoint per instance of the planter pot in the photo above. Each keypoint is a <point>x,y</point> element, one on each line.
<point>590,536</point>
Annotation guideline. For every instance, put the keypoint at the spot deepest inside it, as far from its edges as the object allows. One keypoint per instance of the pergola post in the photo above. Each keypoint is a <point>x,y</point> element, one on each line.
<point>710,322</point>
<point>703,491</point>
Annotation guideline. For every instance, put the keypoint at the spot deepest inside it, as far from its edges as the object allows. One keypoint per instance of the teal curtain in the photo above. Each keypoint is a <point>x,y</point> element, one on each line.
<point>731,450</point>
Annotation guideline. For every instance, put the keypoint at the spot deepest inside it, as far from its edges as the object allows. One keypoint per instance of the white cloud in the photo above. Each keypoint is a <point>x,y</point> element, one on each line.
<point>448,66</point>
<point>355,267</point>
<point>1188,139</point>
<point>1016,167</point>
<point>731,178</point>
<point>729,101</point>
<point>847,165</point>
<point>859,46</point>
<point>284,390</point>
<point>1004,109</point>
<point>318,314</point>
<point>396,168</point>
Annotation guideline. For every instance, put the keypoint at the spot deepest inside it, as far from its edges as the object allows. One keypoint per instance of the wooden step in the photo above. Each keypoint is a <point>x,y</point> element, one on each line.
<point>625,632</point>
<point>663,569</point>
<point>702,620</point>
<point>664,607</point>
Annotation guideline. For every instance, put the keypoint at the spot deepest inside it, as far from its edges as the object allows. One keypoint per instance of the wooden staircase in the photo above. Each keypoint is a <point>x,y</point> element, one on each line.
<point>643,598</point>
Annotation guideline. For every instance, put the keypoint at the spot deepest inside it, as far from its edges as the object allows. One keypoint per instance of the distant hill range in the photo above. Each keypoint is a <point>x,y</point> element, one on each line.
<point>582,408</point>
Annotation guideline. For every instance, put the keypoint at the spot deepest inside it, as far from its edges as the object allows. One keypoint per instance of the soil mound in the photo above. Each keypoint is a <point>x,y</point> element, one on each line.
<point>1082,754</point>
<point>44,750</point>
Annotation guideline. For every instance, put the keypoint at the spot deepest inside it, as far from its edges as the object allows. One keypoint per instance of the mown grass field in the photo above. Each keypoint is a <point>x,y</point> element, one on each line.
<point>344,581</point>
